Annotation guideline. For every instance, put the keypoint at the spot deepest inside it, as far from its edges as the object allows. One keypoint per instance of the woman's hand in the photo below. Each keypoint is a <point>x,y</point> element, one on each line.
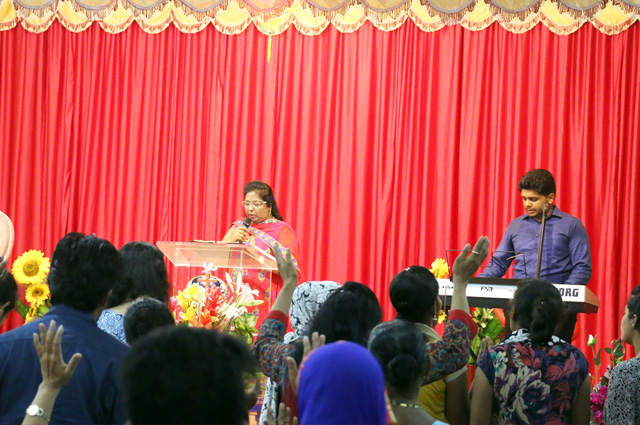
<point>286,268</point>
<point>55,372</point>
<point>463,269</point>
<point>289,276</point>
<point>317,341</point>
<point>284,416</point>
<point>465,266</point>
<point>236,234</point>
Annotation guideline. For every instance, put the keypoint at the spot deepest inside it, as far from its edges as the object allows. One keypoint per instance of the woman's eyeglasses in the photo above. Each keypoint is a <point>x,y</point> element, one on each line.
<point>256,204</point>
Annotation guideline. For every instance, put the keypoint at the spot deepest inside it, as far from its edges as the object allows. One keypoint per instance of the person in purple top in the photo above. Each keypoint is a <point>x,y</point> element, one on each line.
<point>566,254</point>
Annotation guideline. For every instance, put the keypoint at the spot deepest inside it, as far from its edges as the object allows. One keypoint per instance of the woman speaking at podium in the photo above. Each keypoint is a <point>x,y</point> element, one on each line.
<point>263,228</point>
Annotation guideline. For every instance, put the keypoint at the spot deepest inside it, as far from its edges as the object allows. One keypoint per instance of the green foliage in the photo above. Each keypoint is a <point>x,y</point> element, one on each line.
<point>22,308</point>
<point>245,327</point>
<point>488,326</point>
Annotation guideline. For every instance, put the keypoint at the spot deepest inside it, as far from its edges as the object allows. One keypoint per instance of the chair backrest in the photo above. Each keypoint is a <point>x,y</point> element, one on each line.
<point>7,235</point>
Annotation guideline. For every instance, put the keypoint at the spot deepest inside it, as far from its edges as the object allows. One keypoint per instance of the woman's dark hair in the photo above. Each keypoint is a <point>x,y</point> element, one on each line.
<point>180,375</point>
<point>538,180</point>
<point>400,348</point>
<point>634,305</point>
<point>145,274</point>
<point>348,314</point>
<point>145,315</point>
<point>538,306</point>
<point>265,193</point>
<point>413,293</point>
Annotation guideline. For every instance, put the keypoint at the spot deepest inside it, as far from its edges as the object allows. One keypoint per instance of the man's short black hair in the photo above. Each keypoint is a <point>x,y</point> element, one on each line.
<point>538,180</point>
<point>83,271</point>
<point>145,315</point>
<point>180,375</point>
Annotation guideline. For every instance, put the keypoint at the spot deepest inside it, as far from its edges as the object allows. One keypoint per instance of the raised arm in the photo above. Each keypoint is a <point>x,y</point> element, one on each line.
<point>269,347</point>
<point>451,353</point>
<point>464,267</point>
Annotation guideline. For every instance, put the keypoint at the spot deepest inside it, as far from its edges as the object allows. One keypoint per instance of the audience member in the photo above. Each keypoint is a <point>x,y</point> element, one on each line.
<point>83,271</point>
<point>305,302</point>
<point>145,274</point>
<point>349,313</point>
<point>400,349</point>
<point>533,376</point>
<point>145,315</point>
<point>414,295</point>
<point>623,398</point>
<point>180,375</point>
<point>341,383</point>
<point>8,291</point>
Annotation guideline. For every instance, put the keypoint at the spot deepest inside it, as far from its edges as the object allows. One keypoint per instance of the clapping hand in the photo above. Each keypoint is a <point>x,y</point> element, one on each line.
<point>292,368</point>
<point>466,265</point>
<point>55,372</point>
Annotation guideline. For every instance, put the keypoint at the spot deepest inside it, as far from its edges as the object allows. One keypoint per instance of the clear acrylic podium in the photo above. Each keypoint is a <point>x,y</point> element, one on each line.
<point>190,259</point>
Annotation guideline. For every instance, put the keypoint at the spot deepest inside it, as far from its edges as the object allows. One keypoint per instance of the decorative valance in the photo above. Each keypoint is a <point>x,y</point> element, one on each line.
<point>311,17</point>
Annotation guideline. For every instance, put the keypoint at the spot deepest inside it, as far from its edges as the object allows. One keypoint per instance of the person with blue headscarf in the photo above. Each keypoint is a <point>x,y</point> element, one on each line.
<point>341,383</point>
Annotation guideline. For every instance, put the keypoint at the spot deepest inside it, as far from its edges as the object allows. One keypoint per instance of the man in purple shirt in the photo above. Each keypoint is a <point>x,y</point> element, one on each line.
<point>566,254</point>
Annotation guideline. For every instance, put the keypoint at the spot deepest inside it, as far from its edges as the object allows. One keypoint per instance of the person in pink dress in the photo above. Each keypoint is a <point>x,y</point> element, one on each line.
<point>268,232</point>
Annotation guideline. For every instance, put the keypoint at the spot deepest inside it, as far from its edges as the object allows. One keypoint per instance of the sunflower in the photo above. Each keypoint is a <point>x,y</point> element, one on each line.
<point>30,267</point>
<point>37,294</point>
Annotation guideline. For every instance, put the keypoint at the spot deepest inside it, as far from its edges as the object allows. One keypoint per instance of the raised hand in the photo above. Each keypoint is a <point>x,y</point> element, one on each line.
<point>467,264</point>
<point>284,416</point>
<point>286,268</point>
<point>292,368</point>
<point>55,372</point>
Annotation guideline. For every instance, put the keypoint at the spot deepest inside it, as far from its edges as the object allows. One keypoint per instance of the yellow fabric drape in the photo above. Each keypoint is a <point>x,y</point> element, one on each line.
<point>311,17</point>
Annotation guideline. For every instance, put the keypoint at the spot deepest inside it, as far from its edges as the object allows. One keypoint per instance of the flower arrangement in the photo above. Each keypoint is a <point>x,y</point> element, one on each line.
<point>225,306</point>
<point>489,325</point>
<point>599,387</point>
<point>31,270</point>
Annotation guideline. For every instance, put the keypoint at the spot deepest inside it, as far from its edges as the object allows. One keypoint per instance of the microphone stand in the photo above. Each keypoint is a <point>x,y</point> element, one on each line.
<point>545,207</point>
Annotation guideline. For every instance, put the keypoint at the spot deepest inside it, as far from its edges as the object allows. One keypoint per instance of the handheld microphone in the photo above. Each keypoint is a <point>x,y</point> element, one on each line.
<point>246,223</point>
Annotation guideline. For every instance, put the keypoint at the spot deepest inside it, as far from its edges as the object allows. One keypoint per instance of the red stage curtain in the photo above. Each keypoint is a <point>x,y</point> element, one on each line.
<point>384,149</point>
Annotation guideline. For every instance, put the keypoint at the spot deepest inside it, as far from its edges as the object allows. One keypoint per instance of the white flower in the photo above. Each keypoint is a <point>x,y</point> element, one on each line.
<point>232,311</point>
<point>592,341</point>
<point>210,268</point>
<point>247,295</point>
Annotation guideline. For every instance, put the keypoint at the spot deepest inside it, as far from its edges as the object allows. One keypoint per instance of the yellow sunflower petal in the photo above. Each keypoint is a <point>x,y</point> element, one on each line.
<point>37,294</point>
<point>31,267</point>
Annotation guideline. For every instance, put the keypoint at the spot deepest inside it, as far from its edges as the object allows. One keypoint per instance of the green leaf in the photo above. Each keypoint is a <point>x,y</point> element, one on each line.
<point>493,329</point>
<point>22,308</point>
<point>608,351</point>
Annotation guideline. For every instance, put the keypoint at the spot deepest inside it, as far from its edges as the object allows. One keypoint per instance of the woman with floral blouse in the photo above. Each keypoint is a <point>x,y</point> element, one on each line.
<point>533,377</point>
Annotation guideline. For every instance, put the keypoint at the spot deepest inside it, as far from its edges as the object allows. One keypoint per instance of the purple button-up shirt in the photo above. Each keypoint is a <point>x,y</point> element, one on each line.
<point>566,254</point>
